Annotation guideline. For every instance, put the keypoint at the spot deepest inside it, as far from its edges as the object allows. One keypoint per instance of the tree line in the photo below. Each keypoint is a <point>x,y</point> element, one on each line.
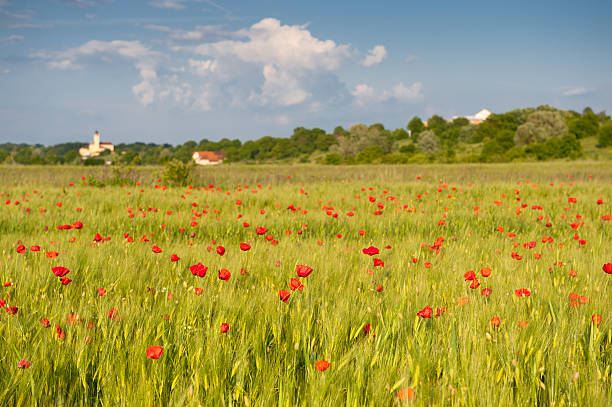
<point>540,133</point>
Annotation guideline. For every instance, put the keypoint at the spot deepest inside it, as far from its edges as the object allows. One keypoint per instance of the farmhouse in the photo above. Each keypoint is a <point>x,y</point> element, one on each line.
<point>477,118</point>
<point>94,149</point>
<point>208,157</point>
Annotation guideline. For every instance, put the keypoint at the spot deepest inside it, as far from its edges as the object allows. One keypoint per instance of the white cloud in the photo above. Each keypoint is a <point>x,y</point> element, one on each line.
<point>405,94</point>
<point>375,56</point>
<point>579,91</point>
<point>155,27</point>
<point>202,68</point>
<point>366,95</point>
<point>11,38</point>
<point>145,60</point>
<point>168,4</point>
<point>286,56</point>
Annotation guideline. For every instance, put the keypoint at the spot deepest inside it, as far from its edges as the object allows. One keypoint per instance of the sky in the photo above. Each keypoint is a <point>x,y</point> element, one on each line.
<point>168,71</point>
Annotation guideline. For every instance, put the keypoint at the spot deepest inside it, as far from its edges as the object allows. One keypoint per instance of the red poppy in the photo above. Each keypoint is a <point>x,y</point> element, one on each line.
<point>244,246</point>
<point>154,352</point>
<point>198,290</point>
<point>21,249</point>
<point>371,251</point>
<point>51,254</point>
<point>485,271</point>
<point>60,271</point>
<point>35,248</point>
<point>406,393</point>
<point>596,318</point>
<point>425,312</point>
<point>475,284</point>
<point>303,271</point>
<point>198,270</point>
<point>224,327</point>
<point>224,274</point>
<point>12,310</point>
<point>112,314</point>
<point>495,321</point>
<point>322,365</point>
<point>23,364</point>
<point>427,264</point>
<point>261,230</point>
<point>522,292</point>
<point>378,263</point>
<point>77,225</point>
<point>174,257</point>
<point>101,291</point>
<point>486,292</point>
<point>379,288</point>
<point>284,295</point>
<point>60,334</point>
<point>45,323</point>
<point>607,268</point>
<point>65,280</point>
<point>523,324</point>
<point>366,329</point>
<point>469,275</point>
<point>220,250</point>
<point>296,284</point>
<point>97,238</point>
<point>156,249</point>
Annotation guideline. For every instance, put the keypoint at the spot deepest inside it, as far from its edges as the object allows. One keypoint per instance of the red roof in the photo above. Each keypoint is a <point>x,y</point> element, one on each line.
<point>209,155</point>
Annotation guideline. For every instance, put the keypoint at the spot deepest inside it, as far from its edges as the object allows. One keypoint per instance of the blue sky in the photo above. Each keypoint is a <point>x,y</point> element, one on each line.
<point>167,71</point>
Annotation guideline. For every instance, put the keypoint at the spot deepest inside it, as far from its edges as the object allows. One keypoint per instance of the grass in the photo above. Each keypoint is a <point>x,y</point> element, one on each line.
<point>268,355</point>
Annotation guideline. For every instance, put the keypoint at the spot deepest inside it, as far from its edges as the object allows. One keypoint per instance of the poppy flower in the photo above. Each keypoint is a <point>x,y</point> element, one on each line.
<point>198,290</point>
<point>244,246</point>
<point>112,314</point>
<point>296,284</point>
<point>379,288</point>
<point>60,334</point>
<point>440,311</point>
<point>495,321</point>
<point>522,324</point>
<point>378,263</point>
<point>322,365</point>
<point>303,271</point>
<point>220,250</point>
<point>51,254</point>
<point>45,323</point>
<point>60,271</point>
<point>607,268</point>
<point>284,295</point>
<point>371,251</point>
<point>485,271</point>
<point>35,248</point>
<point>475,284</point>
<point>405,394</point>
<point>469,275</point>
<point>261,230</point>
<point>522,292</point>
<point>427,264</point>
<point>156,249</point>
<point>23,364</point>
<point>21,249</point>
<point>97,238</point>
<point>224,327</point>
<point>198,270</point>
<point>12,310</point>
<point>224,274</point>
<point>596,318</point>
<point>101,291</point>
<point>154,352</point>
<point>366,329</point>
<point>425,312</point>
<point>486,292</point>
<point>77,225</point>
<point>174,257</point>
<point>65,280</point>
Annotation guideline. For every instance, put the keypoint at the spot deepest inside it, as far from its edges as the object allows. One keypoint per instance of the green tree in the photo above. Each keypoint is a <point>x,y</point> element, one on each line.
<point>428,143</point>
<point>369,154</point>
<point>416,126</point>
<point>585,126</point>
<point>540,126</point>
<point>605,136</point>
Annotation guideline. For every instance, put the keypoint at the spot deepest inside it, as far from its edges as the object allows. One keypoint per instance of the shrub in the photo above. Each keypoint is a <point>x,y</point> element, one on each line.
<point>540,126</point>
<point>177,172</point>
<point>428,142</point>
<point>332,159</point>
<point>605,136</point>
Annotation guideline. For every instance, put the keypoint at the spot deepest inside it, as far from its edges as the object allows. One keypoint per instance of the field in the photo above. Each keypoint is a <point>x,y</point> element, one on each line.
<point>478,285</point>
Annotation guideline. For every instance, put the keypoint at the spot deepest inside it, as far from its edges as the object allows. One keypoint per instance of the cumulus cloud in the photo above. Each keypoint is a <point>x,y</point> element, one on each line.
<point>366,95</point>
<point>579,91</point>
<point>375,56</point>
<point>145,61</point>
<point>284,55</point>
<point>202,68</point>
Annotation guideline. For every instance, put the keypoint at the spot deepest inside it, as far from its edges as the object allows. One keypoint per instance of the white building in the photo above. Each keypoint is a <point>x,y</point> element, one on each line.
<point>94,149</point>
<point>208,157</point>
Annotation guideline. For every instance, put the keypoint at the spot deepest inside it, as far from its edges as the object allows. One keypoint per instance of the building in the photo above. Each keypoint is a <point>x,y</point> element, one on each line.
<point>94,149</point>
<point>208,157</point>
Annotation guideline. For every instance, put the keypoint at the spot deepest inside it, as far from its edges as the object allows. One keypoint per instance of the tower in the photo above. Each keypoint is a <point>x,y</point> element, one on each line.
<point>97,140</point>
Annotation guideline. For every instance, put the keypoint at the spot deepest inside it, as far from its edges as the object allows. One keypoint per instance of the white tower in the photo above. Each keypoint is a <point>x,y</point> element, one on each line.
<point>97,140</point>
